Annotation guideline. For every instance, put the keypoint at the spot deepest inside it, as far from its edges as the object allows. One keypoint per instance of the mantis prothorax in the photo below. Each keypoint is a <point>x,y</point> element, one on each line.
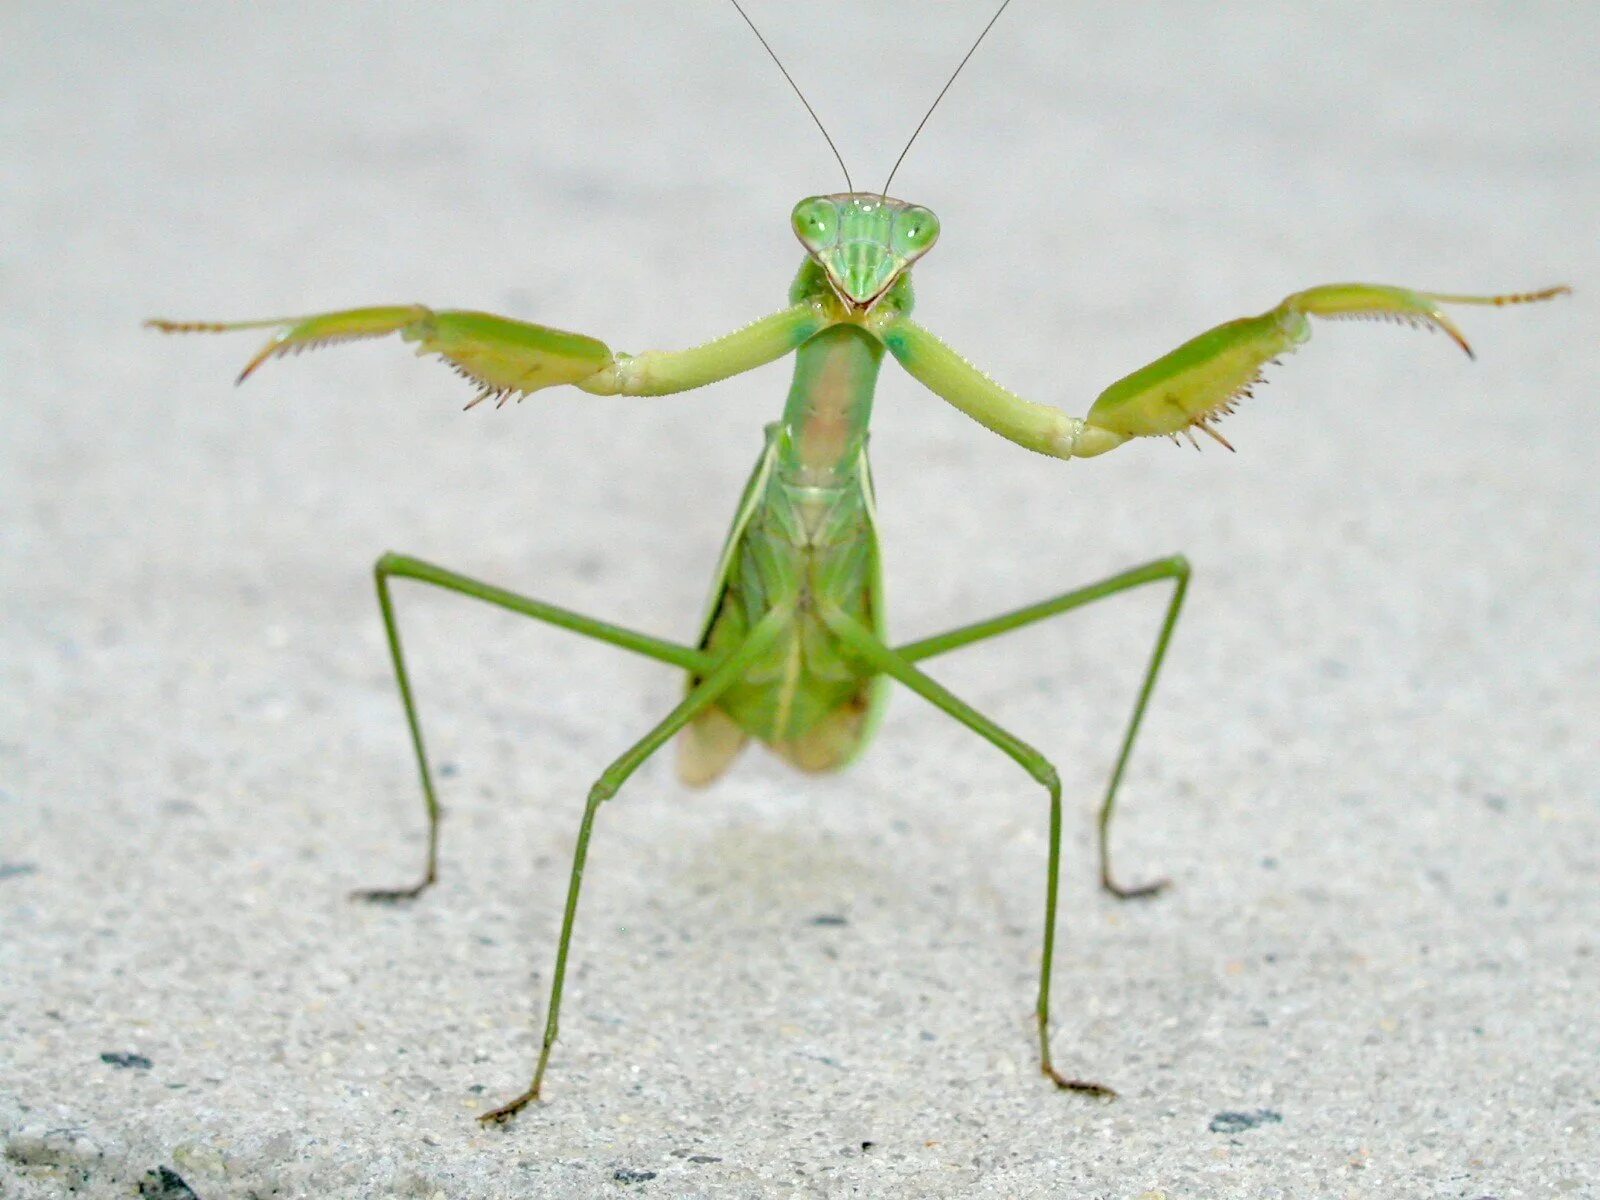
<point>794,649</point>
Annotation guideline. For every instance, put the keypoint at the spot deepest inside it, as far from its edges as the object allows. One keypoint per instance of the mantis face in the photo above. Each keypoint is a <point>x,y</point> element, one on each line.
<point>863,241</point>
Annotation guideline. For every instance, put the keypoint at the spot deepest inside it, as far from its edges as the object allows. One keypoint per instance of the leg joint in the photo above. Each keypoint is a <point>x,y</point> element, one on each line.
<point>390,563</point>
<point>1046,776</point>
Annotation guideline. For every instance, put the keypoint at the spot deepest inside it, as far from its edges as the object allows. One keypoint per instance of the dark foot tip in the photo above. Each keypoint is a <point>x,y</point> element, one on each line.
<point>1143,892</point>
<point>388,895</point>
<point>1098,1090</point>
<point>499,1116</point>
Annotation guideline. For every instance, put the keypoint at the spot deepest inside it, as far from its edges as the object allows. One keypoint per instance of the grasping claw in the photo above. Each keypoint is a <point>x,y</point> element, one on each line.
<point>502,357</point>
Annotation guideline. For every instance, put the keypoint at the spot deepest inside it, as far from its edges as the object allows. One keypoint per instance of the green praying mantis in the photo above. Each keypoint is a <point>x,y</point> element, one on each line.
<point>794,650</point>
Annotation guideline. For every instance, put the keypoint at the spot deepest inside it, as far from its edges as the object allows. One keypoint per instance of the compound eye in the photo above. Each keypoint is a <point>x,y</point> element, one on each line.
<point>816,222</point>
<point>915,230</point>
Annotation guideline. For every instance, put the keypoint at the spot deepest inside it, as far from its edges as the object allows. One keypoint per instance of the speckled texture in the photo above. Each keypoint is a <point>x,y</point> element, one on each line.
<point>1371,769</point>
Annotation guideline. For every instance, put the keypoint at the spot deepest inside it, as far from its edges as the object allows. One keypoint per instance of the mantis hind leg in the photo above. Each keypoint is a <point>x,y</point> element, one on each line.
<point>895,665</point>
<point>400,566</point>
<point>1176,569</point>
<point>715,682</point>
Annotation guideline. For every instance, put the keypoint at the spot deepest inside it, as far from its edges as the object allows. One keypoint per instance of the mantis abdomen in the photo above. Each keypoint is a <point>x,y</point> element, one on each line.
<point>804,545</point>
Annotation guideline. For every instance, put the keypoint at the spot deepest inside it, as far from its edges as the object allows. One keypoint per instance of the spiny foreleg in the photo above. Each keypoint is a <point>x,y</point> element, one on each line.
<point>1190,388</point>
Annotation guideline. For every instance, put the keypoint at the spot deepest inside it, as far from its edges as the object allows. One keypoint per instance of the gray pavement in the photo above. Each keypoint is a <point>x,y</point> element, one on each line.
<point>1371,769</point>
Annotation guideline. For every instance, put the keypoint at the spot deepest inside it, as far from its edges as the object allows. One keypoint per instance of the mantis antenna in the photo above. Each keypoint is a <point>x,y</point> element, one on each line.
<point>884,191</point>
<point>773,55</point>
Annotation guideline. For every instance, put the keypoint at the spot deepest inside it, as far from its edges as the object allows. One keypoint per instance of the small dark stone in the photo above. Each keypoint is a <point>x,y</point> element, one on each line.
<point>136,1061</point>
<point>829,919</point>
<point>1496,802</point>
<point>704,1158</point>
<point>865,1146</point>
<point>16,870</point>
<point>163,1183</point>
<point>1238,1122</point>
<point>624,1175</point>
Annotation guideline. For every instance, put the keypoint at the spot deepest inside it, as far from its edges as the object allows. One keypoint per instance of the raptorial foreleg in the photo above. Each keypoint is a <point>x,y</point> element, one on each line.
<point>1190,388</point>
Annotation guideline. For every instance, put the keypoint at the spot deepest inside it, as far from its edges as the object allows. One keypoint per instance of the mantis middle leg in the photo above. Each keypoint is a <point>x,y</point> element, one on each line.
<point>895,665</point>
<point>404,567</point>
<point>1175,569</point>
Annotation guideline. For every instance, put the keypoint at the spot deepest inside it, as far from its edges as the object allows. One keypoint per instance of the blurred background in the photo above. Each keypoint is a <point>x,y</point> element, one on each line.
<point>1370,766</point>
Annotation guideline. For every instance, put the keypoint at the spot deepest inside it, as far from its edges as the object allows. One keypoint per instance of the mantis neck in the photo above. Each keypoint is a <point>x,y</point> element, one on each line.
<point>830,402</point>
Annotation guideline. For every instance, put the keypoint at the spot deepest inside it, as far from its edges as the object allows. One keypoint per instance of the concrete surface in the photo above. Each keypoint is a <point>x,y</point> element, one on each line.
<point>1371,769</point>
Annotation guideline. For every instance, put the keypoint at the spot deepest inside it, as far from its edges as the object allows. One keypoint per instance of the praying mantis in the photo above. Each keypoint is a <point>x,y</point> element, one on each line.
<point>794,650</point>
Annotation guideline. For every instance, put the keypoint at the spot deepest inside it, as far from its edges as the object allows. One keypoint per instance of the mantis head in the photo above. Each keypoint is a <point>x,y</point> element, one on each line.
<point>863,241</point>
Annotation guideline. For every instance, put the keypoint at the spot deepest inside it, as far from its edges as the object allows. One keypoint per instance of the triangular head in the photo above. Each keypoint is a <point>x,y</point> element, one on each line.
<point>863,241</point>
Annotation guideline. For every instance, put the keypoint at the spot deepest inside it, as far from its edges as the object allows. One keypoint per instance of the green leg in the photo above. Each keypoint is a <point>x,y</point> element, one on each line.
<point>1176,569</point>
<point>400,566</point>
<point>713,685</point>
<point>895,665</point>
